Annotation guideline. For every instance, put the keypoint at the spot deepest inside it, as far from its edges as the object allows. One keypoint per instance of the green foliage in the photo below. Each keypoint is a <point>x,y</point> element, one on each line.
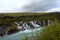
<point>4,21</point>
<point>13,26</point>
<point>25,38</point>
<point>51,32</point>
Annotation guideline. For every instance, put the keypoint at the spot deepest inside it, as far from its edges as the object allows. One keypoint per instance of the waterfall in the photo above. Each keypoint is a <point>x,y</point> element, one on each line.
<point>39,23</point>
<point>16,23</point>
<point>18,26</point>
<point>26,27</point>
<point>6,33</point>
<point>49,22</point>
<point>43,22</point>
<point>34,23</point>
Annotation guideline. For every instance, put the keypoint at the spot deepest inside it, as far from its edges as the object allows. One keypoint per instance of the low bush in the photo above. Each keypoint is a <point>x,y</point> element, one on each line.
<point>52,32</point>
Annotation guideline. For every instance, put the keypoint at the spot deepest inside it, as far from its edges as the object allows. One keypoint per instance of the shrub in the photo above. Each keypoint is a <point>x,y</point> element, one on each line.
<point>25,37</point>
<point>51,32</point>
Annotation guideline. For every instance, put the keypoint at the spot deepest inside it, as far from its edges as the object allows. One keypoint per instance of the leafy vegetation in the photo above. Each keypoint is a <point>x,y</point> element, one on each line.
<point>25,38</point>
<point>51,32</point>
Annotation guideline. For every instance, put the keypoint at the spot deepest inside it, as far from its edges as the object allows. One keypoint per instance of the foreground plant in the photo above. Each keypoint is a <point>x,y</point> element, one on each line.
<point>51,32</point>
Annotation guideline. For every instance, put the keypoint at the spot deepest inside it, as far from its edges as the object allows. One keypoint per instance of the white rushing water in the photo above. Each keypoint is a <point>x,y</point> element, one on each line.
<point>28,31</point>
<point>19,35</point>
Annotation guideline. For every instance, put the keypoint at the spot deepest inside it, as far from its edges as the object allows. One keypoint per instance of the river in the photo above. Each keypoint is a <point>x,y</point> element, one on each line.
<point>19,35</point>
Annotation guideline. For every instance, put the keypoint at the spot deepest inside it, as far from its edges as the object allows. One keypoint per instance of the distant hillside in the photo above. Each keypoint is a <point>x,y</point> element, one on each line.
<point>20,14</point>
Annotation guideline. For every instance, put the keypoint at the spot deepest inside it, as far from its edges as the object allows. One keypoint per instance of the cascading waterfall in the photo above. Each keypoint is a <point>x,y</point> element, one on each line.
<point>27,29</point>
<point>34,23</point>
<point>18,25</point>
<point>49,22</point>
<point>43,22</point>
<point>6,33</point>
<point>25,26</point>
